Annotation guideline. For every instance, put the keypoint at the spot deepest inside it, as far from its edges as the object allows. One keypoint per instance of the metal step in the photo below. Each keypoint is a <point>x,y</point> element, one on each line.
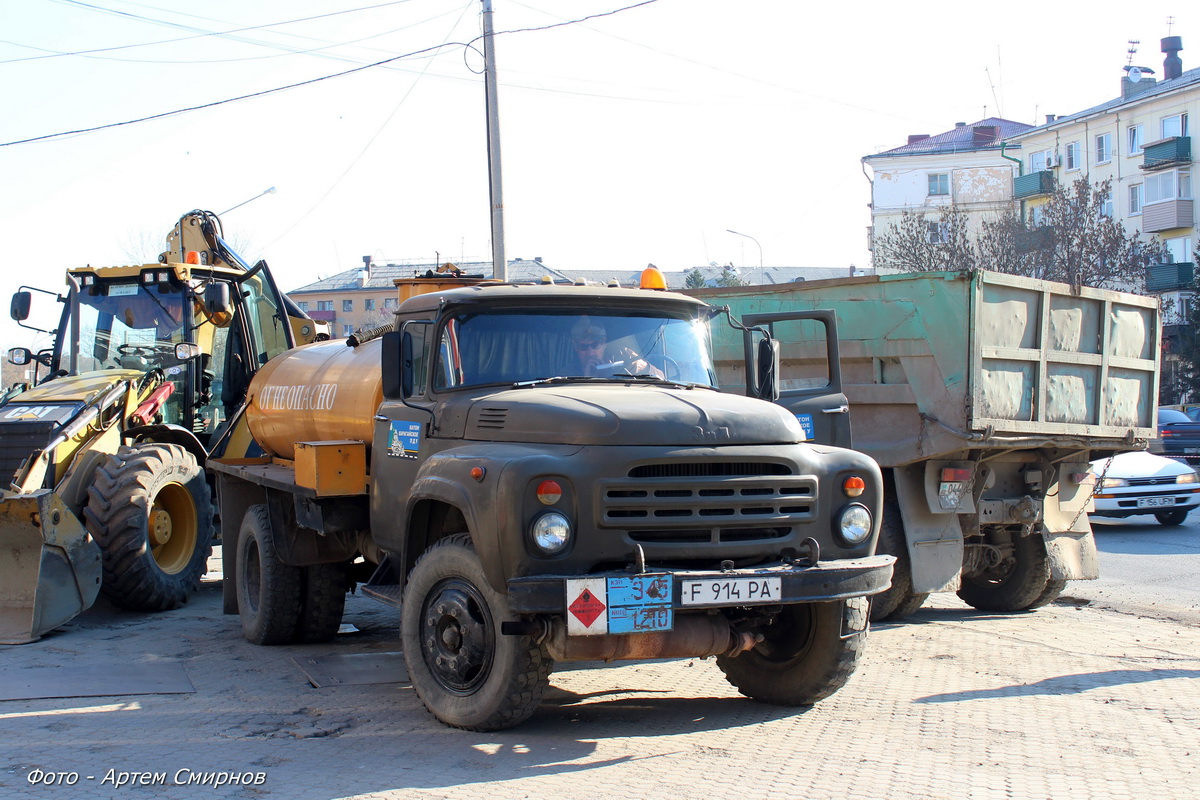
<point>388,594</point>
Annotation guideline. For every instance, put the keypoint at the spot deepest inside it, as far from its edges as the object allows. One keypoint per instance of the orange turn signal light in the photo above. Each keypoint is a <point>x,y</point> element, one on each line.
<point>549,492</point>
<point>854,486</point>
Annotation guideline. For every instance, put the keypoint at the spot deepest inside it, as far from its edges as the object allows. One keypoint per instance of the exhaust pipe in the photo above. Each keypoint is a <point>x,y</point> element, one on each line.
<point>694,636</point>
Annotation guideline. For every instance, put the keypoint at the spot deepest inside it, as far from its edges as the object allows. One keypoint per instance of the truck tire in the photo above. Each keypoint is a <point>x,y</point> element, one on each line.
<point>1013,585</point>
<point>897,601</point>
<point>464,670</point>
<point>322,602</point>
<point>1054,588</point>
<point>150,510</point>
<point>268,590</point>
<point>804,656</point>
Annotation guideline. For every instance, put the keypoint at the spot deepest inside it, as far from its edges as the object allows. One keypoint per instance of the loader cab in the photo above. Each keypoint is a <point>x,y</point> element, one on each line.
<point>204,331</point>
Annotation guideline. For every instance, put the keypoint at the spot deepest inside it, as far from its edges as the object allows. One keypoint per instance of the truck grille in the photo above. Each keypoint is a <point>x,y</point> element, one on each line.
<point>708,502</point>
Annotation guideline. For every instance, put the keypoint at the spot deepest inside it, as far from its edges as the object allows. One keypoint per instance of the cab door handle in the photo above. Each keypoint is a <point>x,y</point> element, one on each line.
<point>838,410</point>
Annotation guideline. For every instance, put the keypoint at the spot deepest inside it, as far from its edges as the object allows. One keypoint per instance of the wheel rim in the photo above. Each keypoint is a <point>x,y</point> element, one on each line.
<point>457,636</point>
<point>789,638</point>
<point>173,529</point>
<point>250,566</point>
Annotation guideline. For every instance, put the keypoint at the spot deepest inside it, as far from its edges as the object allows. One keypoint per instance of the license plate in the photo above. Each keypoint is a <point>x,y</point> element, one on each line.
<point>739,591</point>
<point>1191,451</point>
<point>1155,502</point>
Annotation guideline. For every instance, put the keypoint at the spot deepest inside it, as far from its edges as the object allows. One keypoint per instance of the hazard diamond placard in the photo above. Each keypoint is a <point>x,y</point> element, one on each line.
<point>587,602</point>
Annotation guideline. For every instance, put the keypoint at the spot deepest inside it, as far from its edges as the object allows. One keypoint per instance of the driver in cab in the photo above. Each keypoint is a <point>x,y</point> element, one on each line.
<point>589,340</point>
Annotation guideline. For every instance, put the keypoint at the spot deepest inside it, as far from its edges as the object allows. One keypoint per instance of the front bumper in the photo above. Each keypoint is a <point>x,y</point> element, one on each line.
<point>830,580</point>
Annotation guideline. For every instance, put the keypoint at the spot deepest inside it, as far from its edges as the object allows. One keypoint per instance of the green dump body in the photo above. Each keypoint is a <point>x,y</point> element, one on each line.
<point>936,362</point>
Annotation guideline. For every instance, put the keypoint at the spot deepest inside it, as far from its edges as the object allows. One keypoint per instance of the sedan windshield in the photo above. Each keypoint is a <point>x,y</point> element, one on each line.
<point>525,345</point>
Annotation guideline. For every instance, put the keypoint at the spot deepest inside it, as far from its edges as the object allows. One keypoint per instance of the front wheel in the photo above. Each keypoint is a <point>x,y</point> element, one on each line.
<point>1175,516</point>
<point>807,653</point>
<point>150,510</point>
<point>1016,583</point>
<point>464,670</point>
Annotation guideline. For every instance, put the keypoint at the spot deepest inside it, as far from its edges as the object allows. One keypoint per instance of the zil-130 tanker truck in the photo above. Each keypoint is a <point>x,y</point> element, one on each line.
<point>548,473</point>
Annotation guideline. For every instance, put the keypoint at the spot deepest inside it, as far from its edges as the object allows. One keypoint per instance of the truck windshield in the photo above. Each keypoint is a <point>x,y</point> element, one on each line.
<point>525,345</point>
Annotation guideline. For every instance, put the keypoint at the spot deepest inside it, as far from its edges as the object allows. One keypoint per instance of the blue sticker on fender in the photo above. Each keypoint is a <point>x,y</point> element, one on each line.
<point>806,422</point>
<point>404,439</point>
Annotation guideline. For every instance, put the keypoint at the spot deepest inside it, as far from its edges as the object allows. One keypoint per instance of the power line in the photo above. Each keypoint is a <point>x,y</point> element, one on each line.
<point>161,115</point>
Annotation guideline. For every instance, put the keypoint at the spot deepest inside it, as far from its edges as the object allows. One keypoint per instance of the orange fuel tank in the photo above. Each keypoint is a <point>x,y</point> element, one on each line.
<point>317,392</point>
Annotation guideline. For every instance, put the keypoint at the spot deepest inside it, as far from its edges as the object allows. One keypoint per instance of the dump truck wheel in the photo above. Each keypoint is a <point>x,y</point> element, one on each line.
<point>464,670</point>
<point>268,590</point>
<point>150,510</point>
<point>322,601</point>
<point>807,654</point>
<point>1053,589</point>
<point>897,601</point>
<point>1015,584</point>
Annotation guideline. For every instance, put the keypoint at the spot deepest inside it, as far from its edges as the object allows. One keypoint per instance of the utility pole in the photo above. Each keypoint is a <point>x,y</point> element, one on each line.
<point>499,265</point>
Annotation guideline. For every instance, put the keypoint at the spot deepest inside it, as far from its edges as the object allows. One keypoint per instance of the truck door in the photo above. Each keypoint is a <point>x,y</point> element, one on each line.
<point>810,374</point>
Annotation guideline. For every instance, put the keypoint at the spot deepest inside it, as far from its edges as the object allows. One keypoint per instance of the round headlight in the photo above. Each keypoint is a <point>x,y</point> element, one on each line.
<point>551,532</point>
<point>854,524</point>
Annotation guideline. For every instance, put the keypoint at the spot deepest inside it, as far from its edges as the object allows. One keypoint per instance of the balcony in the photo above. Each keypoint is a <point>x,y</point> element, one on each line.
<point>1167,153</point>
<point>1170,277</point>
<point>1033,184</point>
<point>1167,215</point>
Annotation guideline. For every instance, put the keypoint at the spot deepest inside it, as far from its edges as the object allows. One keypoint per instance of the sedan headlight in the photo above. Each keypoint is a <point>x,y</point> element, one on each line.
<point>854,524</point>
<point>1187,477</point>
<point>1113,483</point>
<point>551,533</point>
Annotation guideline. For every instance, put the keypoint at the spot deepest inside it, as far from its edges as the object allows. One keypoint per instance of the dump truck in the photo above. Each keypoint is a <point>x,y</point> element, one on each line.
<point>535,474</point>
<point>102,453</point>
<point>982,396</point>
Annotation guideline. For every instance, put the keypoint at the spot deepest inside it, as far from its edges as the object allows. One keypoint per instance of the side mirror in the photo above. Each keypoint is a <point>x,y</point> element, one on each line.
<point>19,310</point>
<point>391,364</point>
<point>217,299</point>
<point>767,365</point>
<point>20,356</point>
<point>185,351</point>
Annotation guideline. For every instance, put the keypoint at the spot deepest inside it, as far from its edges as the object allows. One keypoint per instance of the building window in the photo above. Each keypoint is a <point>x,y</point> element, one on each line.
<point>347,330</point>
<point>1104,148</point>
<point>347,305</point>
<point>1072,155</point>
<point>1175,125</point>
<point>369,304</point>
<point>1133,140</point>
<point>1164,186</point>
<point>1179,249</point>
<point>1039,160</point>
<point>1106,205</point>
<point>324,305</point>
<point>939,183</point>
<point>936,232</point>
<point>1037,216</point>
<point>390,302</point>
<point>1135,200</point>
<point>303,305</point>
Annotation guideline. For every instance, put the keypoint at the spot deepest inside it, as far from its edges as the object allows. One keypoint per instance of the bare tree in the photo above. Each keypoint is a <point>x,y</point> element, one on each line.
<point>918,243</point>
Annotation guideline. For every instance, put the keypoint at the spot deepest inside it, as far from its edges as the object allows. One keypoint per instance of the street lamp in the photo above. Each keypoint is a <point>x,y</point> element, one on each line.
<point>239,205</point>
<point>760,258</point>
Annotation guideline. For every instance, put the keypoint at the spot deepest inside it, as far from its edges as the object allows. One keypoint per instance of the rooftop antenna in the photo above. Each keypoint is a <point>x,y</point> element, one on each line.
<point>1133,43</point>
<point>1170,22</point>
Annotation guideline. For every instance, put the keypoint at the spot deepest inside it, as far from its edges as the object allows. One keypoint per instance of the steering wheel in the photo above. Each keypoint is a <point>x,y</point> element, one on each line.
<point>668,366</point>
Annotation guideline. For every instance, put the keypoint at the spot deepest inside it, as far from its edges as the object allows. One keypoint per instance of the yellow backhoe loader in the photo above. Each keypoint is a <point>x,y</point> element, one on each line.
<point>102,455</point>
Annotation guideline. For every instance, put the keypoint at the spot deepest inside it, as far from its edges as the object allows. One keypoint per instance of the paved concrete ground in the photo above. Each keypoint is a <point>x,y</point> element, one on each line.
<point>1068,702</point>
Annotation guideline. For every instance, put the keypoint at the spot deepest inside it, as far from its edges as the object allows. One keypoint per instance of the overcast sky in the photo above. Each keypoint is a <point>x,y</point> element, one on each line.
<point>640,136</point>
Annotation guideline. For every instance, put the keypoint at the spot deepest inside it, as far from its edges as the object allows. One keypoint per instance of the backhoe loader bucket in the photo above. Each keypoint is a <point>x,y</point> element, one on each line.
<point>49,566</point>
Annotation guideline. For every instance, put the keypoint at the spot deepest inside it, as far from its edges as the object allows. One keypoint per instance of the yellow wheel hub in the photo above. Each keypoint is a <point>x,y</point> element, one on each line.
<point>173,528</point>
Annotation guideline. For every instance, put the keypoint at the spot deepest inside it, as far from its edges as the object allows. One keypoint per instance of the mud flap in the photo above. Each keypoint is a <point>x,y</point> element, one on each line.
<point>1070,546</point>
<point>935,541</point>
<point>50,571</point>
